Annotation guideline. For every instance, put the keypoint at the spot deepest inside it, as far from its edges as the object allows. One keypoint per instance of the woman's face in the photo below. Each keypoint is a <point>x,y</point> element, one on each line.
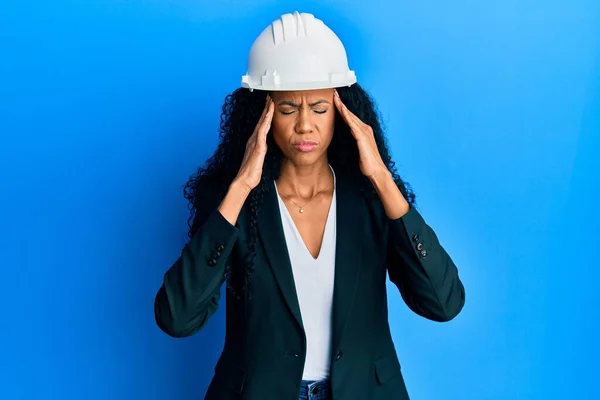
<point>303,124</point>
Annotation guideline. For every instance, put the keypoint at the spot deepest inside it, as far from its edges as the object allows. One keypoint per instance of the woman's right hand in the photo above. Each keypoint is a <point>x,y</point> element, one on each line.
<point>250,171</point>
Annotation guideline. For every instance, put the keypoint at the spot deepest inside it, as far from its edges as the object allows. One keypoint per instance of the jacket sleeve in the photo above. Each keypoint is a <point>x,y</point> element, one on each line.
<point>191,287</point>
<point>422,270</point>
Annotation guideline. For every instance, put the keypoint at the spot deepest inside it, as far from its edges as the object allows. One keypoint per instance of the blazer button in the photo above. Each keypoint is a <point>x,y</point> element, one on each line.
<point>415,237</point>
<point>217,254</point>
<point>420,246</point>
<point>212,262</point>
<point>423,253</point>
<point>220,248</point>
<point>338,355</point>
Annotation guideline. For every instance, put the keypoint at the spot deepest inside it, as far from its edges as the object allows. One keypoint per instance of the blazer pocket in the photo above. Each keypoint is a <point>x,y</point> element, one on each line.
<point>386,368</point>
<point>231,375</point>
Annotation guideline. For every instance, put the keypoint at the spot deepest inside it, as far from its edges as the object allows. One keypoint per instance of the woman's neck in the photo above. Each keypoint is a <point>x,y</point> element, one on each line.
<point>304,181</point>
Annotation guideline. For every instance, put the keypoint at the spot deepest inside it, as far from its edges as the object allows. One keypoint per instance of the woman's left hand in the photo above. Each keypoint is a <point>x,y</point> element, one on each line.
<point>370,160</point>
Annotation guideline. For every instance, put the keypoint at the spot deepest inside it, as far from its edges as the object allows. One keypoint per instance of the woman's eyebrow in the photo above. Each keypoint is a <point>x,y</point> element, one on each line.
<point>292,104</point>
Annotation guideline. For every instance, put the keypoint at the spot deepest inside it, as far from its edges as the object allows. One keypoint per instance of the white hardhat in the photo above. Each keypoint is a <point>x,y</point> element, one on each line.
<point>297,52</point>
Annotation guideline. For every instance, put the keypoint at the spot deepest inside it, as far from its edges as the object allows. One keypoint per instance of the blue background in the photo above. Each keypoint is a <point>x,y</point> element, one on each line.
<point>106,108</point>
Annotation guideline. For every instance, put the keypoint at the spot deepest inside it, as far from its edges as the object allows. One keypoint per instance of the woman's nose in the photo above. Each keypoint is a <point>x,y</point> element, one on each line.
<point>304,123</point>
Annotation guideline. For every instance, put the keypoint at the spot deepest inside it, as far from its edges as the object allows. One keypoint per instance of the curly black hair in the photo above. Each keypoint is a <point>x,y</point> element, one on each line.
<point>240,114</point>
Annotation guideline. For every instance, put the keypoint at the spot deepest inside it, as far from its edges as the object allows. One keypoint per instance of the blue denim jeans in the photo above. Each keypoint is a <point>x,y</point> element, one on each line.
<point>315,390</point>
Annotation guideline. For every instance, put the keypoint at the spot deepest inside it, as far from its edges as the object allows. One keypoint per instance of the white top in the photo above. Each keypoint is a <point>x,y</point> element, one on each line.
<point>314,285</point>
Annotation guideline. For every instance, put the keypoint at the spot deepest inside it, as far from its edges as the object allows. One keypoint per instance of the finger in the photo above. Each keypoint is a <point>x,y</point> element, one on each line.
<point>347,115</point>
<point>265,108</point>
<point>340,105</point>
<point>353,117</point>
<point>353,120</point>
<point>266,123</point>
<point>268,102</point>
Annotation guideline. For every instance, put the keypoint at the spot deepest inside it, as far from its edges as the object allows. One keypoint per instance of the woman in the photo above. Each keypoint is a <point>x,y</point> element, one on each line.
<point>301,213</point>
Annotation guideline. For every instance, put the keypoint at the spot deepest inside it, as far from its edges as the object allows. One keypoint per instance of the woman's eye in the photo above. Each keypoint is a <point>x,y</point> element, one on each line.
<point>288,112</point>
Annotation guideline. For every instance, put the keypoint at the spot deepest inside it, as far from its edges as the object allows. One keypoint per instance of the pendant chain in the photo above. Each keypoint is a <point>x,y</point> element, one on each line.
<point>301,208</point>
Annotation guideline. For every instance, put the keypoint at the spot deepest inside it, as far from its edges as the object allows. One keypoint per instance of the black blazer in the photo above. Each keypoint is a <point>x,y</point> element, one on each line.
<point>263,355</point>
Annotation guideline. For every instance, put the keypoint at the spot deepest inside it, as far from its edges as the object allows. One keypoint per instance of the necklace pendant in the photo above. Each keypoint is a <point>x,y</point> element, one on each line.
<point>301,210</point>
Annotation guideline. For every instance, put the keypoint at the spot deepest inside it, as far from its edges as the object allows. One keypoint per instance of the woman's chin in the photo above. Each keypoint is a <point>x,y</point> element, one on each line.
<point>304,159</point>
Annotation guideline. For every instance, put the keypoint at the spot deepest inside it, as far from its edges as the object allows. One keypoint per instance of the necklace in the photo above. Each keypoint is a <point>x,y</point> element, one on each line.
<point>301,208</point>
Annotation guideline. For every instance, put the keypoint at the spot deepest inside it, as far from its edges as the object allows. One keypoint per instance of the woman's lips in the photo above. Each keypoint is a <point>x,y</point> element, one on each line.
<point>305,146</point>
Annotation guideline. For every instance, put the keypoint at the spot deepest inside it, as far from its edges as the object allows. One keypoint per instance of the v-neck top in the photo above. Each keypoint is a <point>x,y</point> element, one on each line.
<point>314,279</point>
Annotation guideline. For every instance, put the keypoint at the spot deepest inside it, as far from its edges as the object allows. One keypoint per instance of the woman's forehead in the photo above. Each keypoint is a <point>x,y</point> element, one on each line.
<point>299,96</point>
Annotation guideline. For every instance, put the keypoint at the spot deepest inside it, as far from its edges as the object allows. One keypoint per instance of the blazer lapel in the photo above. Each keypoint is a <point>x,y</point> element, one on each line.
<point>271,233</point>
<point>347,254</point>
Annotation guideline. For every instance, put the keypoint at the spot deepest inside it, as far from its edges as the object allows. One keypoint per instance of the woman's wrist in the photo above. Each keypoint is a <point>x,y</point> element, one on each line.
<point>234,200</point>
